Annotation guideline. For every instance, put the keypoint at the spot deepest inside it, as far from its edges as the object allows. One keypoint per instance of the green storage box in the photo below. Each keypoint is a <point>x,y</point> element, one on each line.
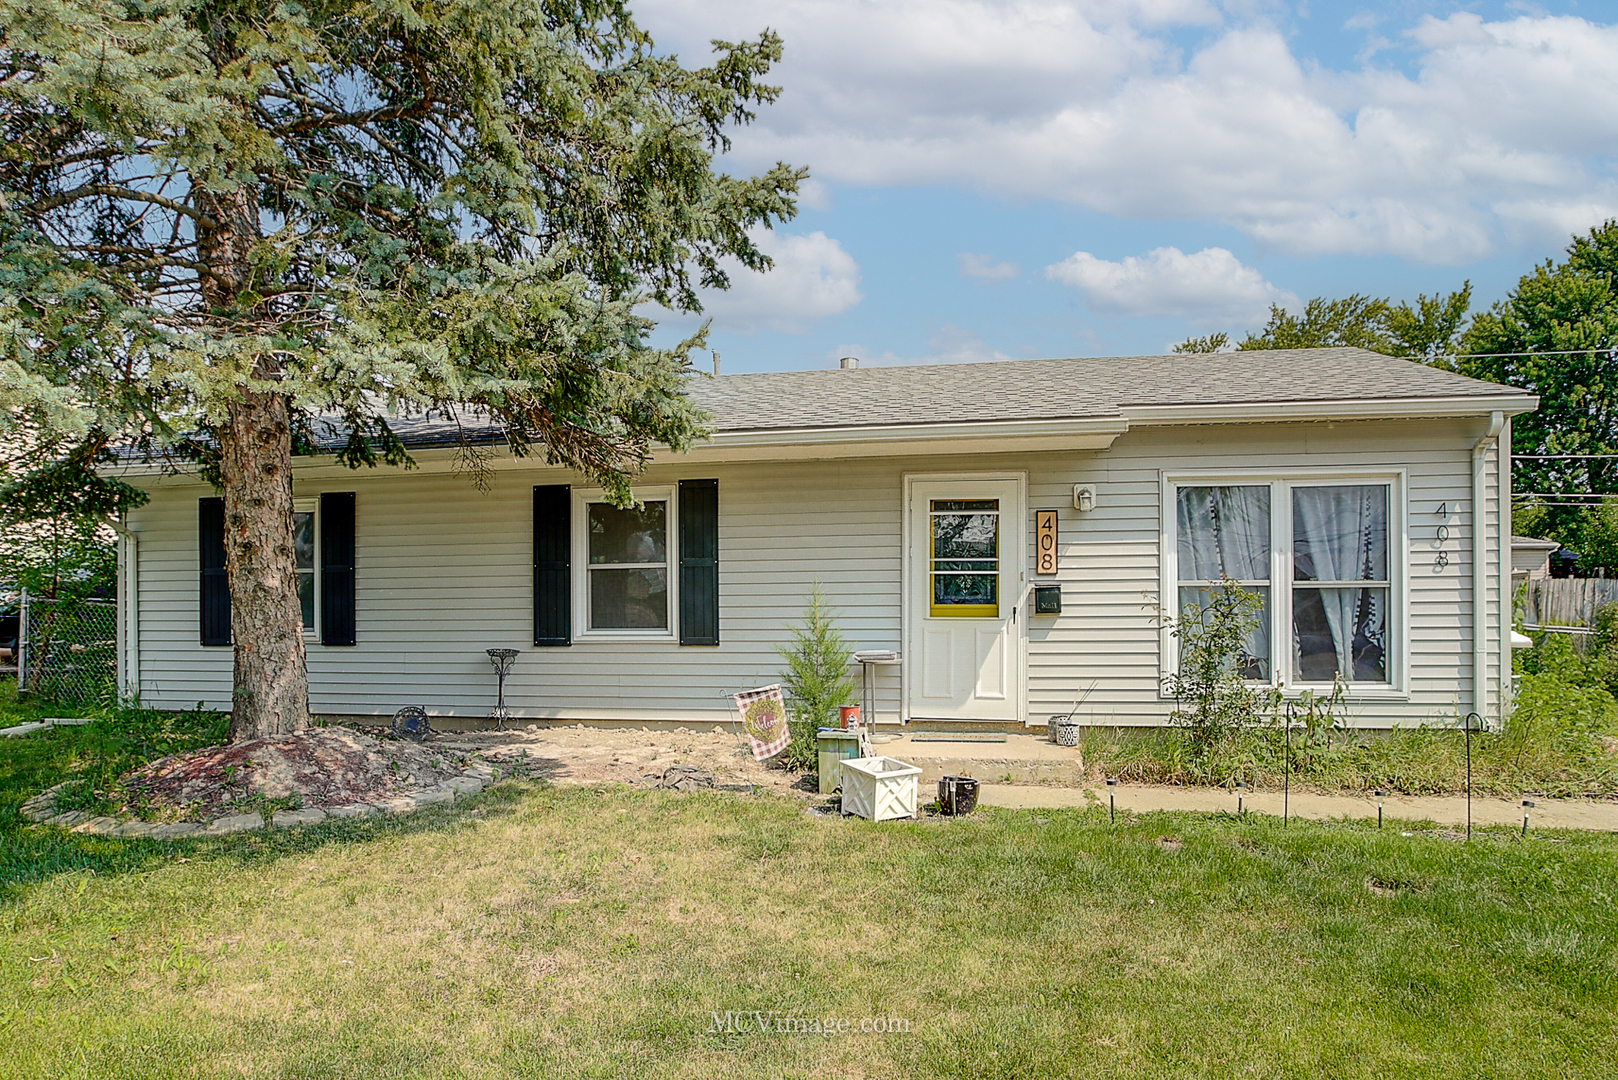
<point>835,746</point>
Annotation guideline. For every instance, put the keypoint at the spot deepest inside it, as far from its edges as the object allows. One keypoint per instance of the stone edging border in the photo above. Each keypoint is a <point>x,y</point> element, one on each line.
<point>41,809</point>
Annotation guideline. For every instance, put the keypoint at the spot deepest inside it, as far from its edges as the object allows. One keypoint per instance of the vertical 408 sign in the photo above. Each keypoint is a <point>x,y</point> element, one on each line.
<point>1045,543</point>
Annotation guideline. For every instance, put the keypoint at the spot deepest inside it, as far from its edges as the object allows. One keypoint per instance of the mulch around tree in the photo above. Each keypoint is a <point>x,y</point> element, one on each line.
<point>317,768</point>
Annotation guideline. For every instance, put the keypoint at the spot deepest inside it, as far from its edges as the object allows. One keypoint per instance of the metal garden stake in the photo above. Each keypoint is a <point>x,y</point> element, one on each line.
<point>1286,770</point>
<point>1468,723</point>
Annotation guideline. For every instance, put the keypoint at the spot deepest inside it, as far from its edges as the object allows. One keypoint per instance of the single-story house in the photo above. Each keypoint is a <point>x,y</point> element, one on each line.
<point>1021,533</point>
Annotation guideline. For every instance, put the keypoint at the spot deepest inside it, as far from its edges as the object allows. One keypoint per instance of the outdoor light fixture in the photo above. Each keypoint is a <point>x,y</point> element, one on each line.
<point>1112,808</point>
<point>1527,805</point>
<point>1380,795</point>
<point>1240,789</point>
<point>1084,497</point>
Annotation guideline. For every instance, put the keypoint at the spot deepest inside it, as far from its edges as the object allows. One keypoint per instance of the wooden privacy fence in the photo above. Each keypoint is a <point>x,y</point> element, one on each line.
<point>1566,601</point>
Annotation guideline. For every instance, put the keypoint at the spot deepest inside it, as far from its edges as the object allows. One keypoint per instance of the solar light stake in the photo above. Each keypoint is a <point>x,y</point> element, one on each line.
<point>1240,788</point>
<point>1380,794</point>
<point>1468,723</point>
<point>1112,808</point>
<point>1286,770</point>
<point>1527,805</point>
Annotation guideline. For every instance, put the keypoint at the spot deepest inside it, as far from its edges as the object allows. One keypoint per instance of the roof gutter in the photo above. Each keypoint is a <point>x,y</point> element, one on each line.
<point>893,440</point>
<point>1350,409</point>
<point>1480,572</point>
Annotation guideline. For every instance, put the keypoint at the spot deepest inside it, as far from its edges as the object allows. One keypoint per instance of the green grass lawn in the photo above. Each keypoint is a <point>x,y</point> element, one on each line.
<point>557,932</point>
<point>550,932</point>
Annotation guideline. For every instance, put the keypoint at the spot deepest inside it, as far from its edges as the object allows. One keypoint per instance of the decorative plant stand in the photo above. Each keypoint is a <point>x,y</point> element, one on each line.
<point>879,788</point>
<point>1064,730</point>
<point>502,660</point>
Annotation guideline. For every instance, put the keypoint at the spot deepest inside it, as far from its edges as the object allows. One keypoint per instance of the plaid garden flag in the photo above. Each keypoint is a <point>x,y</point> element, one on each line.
<point>764,718</point>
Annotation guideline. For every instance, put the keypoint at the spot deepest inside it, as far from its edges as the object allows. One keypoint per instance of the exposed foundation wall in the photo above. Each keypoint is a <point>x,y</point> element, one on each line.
<point>444,572</point>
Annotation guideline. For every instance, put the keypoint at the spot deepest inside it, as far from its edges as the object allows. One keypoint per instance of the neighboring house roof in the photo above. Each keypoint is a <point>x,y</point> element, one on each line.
<point>1529,543</point>
<point>1083,388</point>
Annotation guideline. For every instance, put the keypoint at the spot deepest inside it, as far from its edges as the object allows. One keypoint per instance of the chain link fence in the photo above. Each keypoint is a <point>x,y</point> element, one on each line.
<point>69,650</point>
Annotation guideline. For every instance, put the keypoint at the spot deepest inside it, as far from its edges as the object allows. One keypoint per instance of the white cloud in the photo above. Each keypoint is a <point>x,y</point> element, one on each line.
<point>1208,287</point>
<point>984,267</point>
<point>813,278</point>
<point>1094,103</point>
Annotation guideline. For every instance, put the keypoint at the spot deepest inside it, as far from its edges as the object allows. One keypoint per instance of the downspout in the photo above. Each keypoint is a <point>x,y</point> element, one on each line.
<point>1480,571</point>
<point>128,610</point>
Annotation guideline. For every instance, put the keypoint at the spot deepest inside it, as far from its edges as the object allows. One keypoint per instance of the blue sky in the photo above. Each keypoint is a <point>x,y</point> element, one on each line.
<point>1056,178</point>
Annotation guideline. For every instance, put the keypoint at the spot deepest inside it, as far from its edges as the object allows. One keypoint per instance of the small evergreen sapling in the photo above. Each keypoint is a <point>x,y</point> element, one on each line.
<point>816,679</point>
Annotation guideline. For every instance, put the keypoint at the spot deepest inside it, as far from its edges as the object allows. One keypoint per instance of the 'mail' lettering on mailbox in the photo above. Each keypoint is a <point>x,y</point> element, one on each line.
<point>1045,543</point>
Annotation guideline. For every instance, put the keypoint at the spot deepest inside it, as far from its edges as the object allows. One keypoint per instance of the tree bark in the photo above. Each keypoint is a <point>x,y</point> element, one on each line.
<point>270,679</point>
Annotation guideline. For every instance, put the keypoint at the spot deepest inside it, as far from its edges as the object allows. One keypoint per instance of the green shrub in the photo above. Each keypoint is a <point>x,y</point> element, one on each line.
<point>1556,718</point>
<point>817,678</point>
<point>1603,659</point>
<point>1214,700</point>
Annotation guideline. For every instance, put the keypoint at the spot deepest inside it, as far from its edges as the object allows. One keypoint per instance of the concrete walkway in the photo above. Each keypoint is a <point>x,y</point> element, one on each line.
<point>1016,758</point>
<point>1444,810</point>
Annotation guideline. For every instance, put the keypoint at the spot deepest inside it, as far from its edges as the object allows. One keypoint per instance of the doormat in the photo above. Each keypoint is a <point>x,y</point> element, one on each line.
<point>965,736</point>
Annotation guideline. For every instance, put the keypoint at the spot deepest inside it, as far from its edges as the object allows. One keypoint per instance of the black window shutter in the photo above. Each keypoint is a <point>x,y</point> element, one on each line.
<point>553,540</point>
<point>699,562</point>
<point>337,568</point>
<point>213,592</point>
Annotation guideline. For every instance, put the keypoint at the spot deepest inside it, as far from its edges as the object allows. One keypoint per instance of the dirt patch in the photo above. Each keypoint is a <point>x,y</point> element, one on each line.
<point>577,754</point>
<point>321,767</point>
<point>337,766</point>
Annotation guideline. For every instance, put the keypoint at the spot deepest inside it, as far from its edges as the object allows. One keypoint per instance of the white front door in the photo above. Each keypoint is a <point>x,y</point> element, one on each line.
<point>966,581</point>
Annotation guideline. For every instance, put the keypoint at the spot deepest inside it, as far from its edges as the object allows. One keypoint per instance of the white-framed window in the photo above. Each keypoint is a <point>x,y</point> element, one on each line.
<point>306,557</point>
<point>1323,551</point>
<point>626,582</point>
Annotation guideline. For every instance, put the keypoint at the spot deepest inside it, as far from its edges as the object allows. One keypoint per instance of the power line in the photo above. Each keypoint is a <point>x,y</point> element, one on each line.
<point>1508,355</point>
<point>1563,457</point>
<point>1547,502</point>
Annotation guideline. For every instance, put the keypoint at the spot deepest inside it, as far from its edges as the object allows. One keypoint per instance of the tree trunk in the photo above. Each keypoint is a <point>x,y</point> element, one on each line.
<point>270,681</point>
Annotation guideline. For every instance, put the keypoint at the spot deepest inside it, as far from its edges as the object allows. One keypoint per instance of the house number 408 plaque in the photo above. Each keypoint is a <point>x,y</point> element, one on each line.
<point>1045,543</point>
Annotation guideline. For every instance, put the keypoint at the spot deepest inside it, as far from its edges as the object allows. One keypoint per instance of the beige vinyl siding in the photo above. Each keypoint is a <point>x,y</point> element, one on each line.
<point>444,572</point>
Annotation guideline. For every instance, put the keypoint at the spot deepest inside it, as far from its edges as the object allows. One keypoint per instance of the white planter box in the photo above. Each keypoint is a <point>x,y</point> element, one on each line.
<point>879,788</point>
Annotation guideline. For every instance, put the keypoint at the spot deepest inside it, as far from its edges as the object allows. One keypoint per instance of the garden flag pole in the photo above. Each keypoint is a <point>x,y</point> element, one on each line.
<point>764,719</point>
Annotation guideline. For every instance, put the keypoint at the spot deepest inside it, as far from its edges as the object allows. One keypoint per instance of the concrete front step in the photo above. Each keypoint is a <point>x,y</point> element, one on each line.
<point>1021,759</point>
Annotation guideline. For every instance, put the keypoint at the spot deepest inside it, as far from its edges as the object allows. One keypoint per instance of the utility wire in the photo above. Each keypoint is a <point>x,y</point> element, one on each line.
<point>1563,457</point>
<point>1507,355</point>
<point>1547,502</point>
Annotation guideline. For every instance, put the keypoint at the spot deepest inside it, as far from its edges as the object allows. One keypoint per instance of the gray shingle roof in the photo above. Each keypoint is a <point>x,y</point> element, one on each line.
<point>1088,387</point>
<point>1085,388</point>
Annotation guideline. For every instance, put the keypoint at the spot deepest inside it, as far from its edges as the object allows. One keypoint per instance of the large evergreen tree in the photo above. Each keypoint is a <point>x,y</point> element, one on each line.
<point>222,221</point>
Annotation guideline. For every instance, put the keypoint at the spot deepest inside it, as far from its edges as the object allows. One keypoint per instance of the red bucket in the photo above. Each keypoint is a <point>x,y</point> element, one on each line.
<point>848,716</point>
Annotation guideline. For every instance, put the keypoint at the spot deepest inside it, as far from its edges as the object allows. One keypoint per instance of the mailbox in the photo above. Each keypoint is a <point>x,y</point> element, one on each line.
<point>1047,599</point>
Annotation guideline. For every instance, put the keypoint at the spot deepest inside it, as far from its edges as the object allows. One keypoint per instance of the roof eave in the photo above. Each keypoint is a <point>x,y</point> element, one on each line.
<point>1349,409</point>
<point>897,440</point>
